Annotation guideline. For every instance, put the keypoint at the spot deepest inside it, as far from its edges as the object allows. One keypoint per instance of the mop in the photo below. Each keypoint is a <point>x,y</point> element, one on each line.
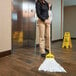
<point>50,64</point>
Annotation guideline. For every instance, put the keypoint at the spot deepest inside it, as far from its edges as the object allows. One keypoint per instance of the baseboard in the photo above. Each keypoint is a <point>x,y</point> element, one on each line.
<point>37,45</point>
<point>73,38</point>
<point>57,40</point>
<point>5,53</point>
<point>62,40</point>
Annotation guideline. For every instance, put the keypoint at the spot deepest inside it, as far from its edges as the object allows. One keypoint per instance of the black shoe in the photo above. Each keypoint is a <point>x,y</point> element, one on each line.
<point>47,51</point>
<point>43,55</point>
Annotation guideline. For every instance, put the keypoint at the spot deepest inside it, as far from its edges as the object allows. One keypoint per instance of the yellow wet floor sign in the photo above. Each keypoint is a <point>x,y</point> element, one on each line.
<point>20,40</point>
<point>15,35</point>
<point>18,36</point>
<point>67,40</point>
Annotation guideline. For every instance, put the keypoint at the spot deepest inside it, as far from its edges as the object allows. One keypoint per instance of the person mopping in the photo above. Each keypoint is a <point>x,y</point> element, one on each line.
<point>42,8</point>
<point>49,64</point>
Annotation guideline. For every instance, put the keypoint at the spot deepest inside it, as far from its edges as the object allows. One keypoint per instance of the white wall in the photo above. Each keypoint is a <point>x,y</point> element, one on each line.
<point>57,33</point>
<point>5,25</point>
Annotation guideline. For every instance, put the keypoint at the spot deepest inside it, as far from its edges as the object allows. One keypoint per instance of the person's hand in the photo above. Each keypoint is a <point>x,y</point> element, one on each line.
<point>47,21</point>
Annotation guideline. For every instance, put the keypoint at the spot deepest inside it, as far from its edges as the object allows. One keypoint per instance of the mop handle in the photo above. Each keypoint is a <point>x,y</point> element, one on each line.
<point>49,34</point>
<point>49,42</point>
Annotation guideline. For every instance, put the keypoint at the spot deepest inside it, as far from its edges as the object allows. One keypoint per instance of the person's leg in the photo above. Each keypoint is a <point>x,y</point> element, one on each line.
<point>42,37</point>
<point>47,37</point>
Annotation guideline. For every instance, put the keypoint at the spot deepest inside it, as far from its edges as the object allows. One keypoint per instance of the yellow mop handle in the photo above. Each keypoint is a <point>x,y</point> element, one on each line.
<point>50,55</point>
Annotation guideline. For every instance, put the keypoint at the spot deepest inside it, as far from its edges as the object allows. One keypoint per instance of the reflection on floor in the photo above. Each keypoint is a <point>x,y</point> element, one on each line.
<point>25,62</point>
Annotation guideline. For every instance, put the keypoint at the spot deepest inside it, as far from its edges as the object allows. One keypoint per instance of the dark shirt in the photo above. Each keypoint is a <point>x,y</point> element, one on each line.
<point>42,10</point>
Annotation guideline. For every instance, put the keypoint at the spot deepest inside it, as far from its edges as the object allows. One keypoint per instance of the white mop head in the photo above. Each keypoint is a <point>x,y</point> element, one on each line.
<point>50,65</point>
